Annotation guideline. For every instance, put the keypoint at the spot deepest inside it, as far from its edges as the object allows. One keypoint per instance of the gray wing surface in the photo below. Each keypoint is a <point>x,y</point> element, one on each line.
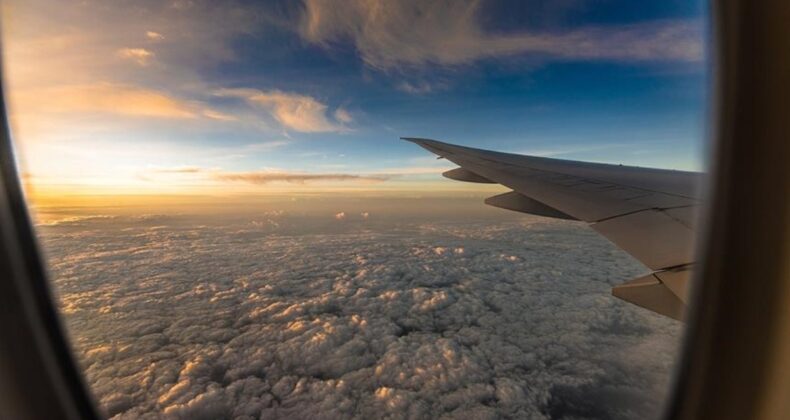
<point>649,213</point>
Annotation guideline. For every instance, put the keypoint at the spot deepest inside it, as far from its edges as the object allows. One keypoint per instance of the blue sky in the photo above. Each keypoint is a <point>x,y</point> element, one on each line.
<point>187,92</point>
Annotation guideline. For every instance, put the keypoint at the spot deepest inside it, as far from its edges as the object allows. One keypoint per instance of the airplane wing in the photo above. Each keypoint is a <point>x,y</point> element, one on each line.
<point>649,213</point>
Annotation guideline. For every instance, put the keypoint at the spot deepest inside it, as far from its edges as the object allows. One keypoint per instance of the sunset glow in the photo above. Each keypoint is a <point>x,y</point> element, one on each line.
<point>187,97</point>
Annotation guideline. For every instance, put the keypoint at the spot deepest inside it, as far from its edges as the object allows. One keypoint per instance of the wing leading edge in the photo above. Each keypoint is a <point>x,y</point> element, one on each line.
<point>649,213</point>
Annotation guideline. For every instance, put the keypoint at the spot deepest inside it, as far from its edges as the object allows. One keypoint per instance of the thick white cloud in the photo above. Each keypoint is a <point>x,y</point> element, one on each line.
<point>390,34</point>
<point>287,316</point>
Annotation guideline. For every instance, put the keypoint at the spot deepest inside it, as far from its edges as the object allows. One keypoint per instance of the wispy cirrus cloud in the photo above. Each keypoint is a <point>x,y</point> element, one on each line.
<point>154,36</point>
<point>294,111</point>
<point>390,35</point>
<point>259,177</point>
<point>141,56</point>
<point>70,60</point>
<point>179,170</point>
<point>194,174</point>
<point>419,87</point>
<point>83,40</point>
<point>265,177</point>
<point>112,98</point>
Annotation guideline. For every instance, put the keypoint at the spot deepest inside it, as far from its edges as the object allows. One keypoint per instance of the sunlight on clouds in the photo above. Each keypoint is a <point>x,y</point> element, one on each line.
<point>221,116</point>
<point>374,324</point>
<point>294,111</point>
<point>68,42</point>
<point>418,88</point>
<point>140,56</point>
<point>71,56</point>
<point>100,91</point>
<point>105,98</point>
<point>154,36</point>
<point>81,76</point>
<point>259,177</point>
<point>118,168</point>
<point>264,177</point>
<point>343,116</point>
<point>179,170</point>
<point>392,34</point>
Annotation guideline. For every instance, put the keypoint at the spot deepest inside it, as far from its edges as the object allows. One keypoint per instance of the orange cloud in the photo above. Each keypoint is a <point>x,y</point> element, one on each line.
<point>154,36</point>
<point>265,177</point>
<point>297,112</point>
<point>261,176</point>
<point>140,56</point>
<point>105,98</point>
<point>216,115</point>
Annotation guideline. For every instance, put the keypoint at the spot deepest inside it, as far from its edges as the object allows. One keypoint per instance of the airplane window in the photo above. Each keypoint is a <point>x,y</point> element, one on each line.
<point>243,214</point>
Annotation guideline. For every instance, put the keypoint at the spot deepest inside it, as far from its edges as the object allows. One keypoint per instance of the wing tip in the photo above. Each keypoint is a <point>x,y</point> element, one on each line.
<point>430,145</point>
<point>418,140</point>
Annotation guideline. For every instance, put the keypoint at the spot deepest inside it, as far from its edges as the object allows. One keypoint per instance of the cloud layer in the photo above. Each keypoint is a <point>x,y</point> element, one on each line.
<point>286,316</point>
<point>389,35</point>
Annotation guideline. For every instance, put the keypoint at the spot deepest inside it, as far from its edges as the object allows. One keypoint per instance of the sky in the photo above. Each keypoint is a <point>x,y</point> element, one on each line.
<point>202,97</point>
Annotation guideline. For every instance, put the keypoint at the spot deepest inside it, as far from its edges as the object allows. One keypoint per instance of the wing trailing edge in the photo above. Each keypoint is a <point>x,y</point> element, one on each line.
<point>663,292</point>
<point>521,203</point>
<point>465,175</point>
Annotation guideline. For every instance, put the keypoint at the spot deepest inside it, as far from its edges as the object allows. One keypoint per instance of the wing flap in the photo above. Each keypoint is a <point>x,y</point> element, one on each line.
<point>650,293</point>
<point>653,237</point>
<point>521,203</point>
<point>678,281</point>
<point>465,175</point>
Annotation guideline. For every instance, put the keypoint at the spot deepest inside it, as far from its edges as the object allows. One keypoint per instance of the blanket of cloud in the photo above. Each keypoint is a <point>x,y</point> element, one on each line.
<point>355,315</point>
